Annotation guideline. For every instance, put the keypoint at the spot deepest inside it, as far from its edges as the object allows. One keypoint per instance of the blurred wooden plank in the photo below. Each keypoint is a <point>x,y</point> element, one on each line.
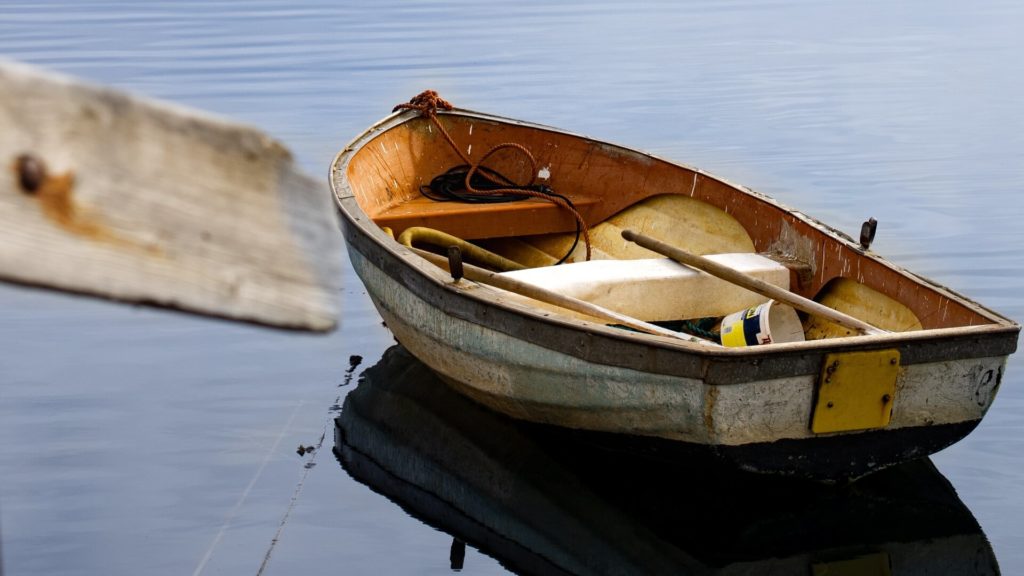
<point>153,203</point>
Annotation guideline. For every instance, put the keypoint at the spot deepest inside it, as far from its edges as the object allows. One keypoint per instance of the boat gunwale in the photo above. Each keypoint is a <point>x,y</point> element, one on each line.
<point>354,214</point>
<point>599,344</point>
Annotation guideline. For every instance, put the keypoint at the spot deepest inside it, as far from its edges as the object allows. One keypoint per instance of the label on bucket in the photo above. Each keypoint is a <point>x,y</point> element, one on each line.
<point>770,322</point>
<point>747,327</point>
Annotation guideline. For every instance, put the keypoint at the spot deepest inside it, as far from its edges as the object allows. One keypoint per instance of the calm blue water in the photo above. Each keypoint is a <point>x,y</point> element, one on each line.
<point>139,441</point>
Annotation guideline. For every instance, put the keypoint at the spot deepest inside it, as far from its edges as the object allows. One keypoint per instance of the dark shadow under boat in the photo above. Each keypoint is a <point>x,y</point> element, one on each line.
<point>548,503</point>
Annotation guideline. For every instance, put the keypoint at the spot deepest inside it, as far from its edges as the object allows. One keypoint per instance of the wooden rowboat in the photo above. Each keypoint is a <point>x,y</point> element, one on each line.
<point>584,345</point>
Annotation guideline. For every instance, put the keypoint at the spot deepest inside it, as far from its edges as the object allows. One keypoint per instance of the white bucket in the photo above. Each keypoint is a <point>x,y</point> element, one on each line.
<point>763,324</point>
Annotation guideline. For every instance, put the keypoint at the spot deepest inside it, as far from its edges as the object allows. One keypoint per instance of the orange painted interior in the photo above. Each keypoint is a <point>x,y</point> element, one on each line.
<point>386,174</point>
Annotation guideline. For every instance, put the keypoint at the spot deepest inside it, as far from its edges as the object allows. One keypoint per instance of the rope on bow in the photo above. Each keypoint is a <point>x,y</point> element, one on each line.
<point>428,102</point>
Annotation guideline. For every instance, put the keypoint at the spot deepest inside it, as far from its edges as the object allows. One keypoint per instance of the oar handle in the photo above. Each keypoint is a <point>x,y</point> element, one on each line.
<point>750,283</point>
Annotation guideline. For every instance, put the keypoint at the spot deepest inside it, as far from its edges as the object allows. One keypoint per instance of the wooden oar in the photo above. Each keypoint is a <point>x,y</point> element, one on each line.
<point>127,198</point>
<point>483,276</point>
<point>750,283</point>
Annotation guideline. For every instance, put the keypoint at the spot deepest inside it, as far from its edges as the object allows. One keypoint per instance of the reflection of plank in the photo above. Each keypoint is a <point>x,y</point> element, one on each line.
<point>148,202</point>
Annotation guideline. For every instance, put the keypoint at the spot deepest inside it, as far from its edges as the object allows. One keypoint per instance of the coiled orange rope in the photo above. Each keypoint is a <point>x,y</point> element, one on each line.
<point>428,102</point>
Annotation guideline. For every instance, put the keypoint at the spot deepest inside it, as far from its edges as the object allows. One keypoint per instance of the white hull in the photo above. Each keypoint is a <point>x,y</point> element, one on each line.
<point>530,382</point>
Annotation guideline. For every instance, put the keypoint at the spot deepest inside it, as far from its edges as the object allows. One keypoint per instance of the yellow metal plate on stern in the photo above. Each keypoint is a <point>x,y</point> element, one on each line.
<point>856,391</point>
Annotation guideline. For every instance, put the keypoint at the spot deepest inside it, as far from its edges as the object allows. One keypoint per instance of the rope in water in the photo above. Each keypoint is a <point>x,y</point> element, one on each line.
<point>427,103</point>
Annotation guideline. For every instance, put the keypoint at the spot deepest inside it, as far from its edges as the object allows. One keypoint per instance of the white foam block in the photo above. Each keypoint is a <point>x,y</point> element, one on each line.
<point>659,288</point>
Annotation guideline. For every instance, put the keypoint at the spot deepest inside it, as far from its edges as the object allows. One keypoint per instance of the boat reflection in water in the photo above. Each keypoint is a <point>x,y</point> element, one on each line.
<point>543,502</point>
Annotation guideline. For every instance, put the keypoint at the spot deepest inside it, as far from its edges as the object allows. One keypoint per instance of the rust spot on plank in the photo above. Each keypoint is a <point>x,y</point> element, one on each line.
<point>30,171</point>
<point>55,195</point>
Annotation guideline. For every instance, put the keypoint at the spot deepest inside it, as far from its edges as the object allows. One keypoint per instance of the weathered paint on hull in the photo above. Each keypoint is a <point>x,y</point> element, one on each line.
<point>530,382</point>
<point>761,425</point>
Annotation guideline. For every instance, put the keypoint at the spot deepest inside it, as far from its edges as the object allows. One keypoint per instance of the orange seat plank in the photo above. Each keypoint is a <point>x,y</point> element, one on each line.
<point>469,221</point>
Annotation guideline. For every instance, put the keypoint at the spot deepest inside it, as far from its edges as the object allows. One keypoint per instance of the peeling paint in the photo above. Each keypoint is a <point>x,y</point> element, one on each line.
<point>791,244</point>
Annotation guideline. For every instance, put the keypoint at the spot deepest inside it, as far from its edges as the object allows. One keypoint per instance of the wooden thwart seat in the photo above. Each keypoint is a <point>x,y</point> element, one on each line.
<point>474,221</point>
